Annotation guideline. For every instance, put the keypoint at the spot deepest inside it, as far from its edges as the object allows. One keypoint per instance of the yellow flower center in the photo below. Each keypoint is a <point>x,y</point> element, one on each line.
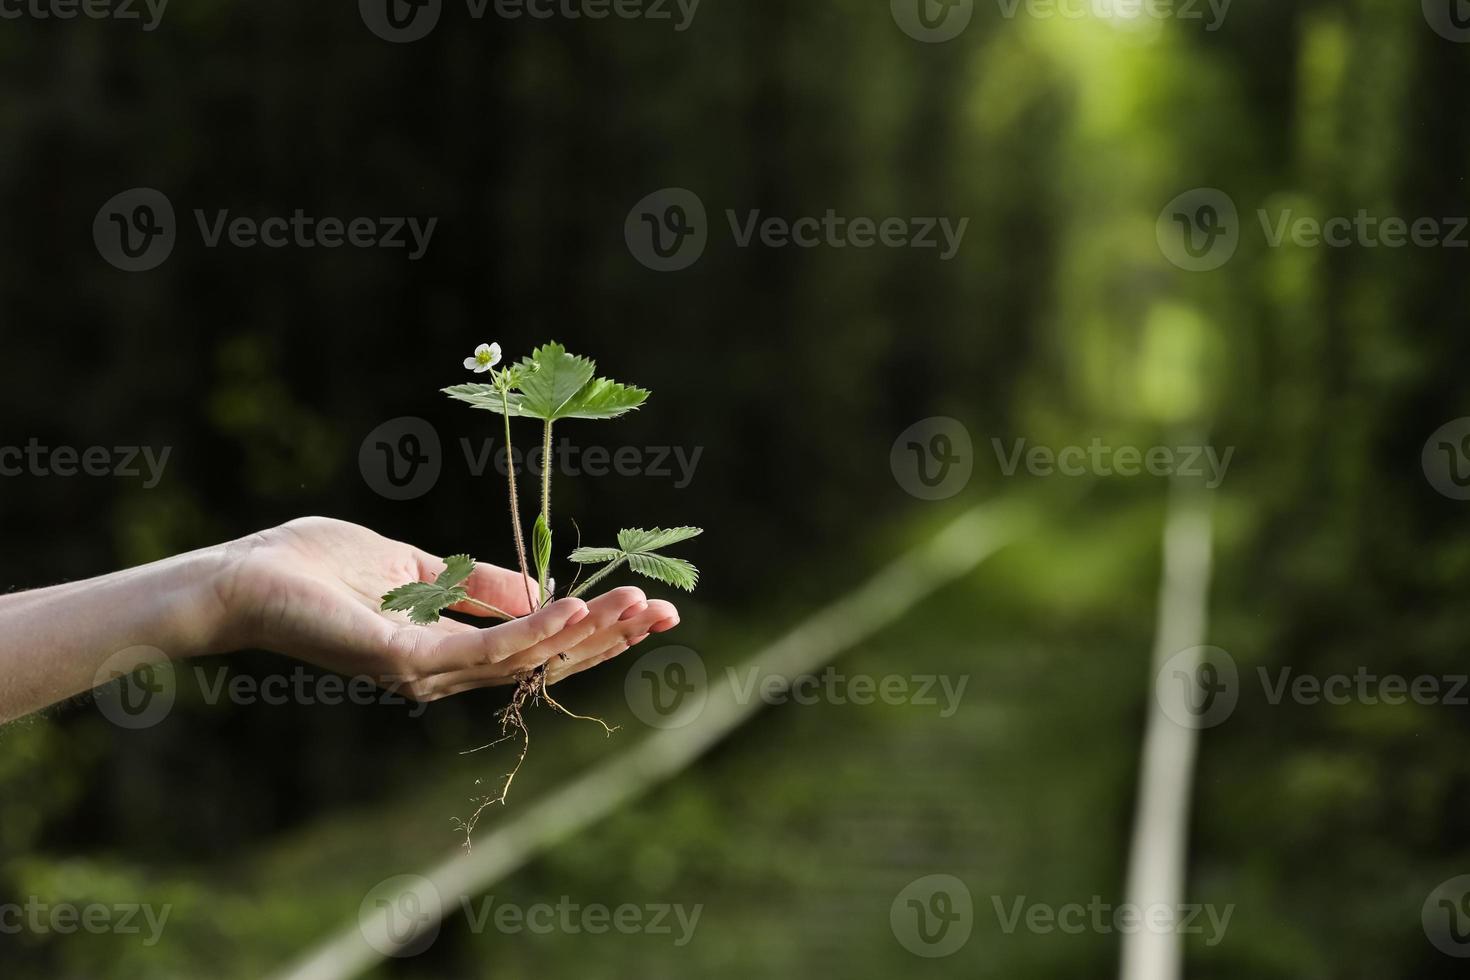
<point>484,356</point>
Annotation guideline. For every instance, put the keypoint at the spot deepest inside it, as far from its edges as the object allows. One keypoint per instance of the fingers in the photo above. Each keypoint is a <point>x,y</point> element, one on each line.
<point>595,632</point>
<point>499,644</point>
<point>499,587</point>
<point>603,613</point>
<point>568,636</point>
<point>636,624</point>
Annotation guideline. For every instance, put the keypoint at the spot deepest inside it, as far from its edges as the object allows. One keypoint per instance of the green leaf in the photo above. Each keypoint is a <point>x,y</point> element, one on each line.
<point>541,547</point>
<point>671,571</point>
<point>604,399</point>
<point>638,550</point>
<point>595,556</point>
<point>424,601</point>
<point>457,568</point>
<point>486,397</point>
<point>635,539</point>
<point>553,379</point>
<point>554,385</point>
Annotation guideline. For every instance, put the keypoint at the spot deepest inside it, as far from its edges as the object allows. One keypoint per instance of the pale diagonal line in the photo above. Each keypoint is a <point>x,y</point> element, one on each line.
<point>1159,854</point>
<point>950,554</point>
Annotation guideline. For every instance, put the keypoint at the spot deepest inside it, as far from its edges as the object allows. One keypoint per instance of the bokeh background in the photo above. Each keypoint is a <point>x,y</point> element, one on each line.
<point>1060,320</point>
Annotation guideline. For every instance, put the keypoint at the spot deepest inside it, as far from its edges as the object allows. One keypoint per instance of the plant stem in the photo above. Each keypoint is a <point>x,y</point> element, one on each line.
<point>607,570</point>
<point>545,493</point>
<point>494,610</point>
<point>515,507</point>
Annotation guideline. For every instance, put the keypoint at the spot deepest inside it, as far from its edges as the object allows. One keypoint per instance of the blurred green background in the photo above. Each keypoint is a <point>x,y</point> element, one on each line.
<point>1060,320</point>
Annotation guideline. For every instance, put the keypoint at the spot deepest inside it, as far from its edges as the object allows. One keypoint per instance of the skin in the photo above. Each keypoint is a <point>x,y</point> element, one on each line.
<point>310,590</point>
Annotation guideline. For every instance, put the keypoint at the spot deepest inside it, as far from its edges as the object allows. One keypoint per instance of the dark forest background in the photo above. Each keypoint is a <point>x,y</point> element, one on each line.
<point>793,370</point>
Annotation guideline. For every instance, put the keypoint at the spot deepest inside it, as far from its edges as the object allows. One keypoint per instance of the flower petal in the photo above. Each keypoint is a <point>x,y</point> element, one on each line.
<point>472,364</point>
<point>484,349</point>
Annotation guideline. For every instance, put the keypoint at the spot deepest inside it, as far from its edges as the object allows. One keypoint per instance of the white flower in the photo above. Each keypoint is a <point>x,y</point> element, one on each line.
<point>486,357</point>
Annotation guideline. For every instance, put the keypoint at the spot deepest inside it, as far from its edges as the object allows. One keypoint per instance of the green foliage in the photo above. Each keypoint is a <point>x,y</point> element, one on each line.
<point>424,601</point>
<point>541,547</point>
<point>638,550</point>
<point>553,385</point>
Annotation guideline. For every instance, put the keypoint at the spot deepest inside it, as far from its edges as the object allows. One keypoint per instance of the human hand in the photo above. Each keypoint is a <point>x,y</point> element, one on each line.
<point>311,589</point>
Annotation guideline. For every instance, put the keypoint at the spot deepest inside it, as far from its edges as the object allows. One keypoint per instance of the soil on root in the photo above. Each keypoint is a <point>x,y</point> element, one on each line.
<point>530,690</point>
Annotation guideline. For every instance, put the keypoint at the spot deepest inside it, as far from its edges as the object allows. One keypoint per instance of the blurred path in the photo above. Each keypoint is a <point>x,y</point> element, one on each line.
<point>1158,859</point>
<point>950,554</point>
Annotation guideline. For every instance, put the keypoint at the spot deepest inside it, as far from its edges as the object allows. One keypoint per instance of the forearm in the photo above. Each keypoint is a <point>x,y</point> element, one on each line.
<point>53,641</point>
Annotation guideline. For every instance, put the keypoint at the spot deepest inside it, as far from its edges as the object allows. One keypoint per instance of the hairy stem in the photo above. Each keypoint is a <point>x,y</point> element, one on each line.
<point>607,570</point>
<point>515,507</point>
<point>545,493</point>
<point>495,610</point>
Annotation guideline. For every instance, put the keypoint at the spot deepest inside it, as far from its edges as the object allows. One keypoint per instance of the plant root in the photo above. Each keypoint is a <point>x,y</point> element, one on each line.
<point>530,689</point>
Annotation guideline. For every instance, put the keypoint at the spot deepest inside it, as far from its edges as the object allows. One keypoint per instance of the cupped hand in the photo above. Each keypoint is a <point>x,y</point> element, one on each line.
<point>311,589</point>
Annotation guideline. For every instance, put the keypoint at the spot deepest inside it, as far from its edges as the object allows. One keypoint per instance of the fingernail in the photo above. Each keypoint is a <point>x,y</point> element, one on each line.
<point>663,626</point>
<point>637,640</point>
<point>632,611</point>
<point>578,616</point>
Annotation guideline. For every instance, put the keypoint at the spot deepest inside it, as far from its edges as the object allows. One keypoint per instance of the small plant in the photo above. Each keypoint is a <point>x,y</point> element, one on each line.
<point>550,385</point>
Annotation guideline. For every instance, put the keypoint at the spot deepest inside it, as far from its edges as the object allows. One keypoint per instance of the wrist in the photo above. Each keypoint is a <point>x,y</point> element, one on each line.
<point>203,589</point>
